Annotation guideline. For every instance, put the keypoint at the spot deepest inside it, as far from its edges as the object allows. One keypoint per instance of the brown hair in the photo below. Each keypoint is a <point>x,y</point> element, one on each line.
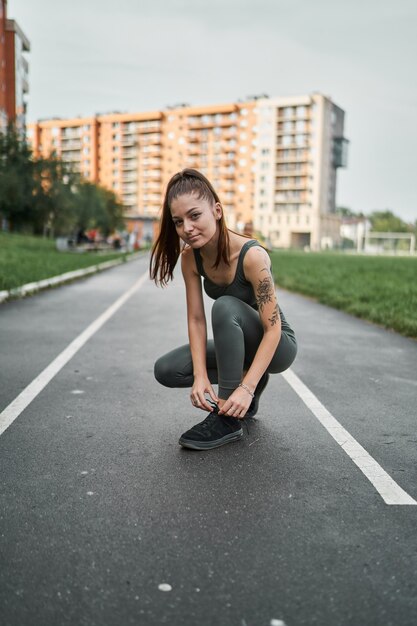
<point>167,247</point>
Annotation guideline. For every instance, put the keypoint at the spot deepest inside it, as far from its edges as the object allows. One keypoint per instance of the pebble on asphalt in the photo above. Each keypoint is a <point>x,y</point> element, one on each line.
<point>164,587</point>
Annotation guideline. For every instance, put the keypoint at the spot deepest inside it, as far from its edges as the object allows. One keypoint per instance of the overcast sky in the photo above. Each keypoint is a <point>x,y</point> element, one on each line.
<point>94,56</point>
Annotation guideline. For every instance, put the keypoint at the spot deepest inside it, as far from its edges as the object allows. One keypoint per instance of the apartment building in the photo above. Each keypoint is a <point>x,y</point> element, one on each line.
<point>273,162</point>
<point>300,146</point>
<point>14,71</point>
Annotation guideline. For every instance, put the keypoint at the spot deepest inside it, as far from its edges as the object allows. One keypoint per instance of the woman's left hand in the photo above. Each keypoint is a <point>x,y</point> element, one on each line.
<point>237,404</point>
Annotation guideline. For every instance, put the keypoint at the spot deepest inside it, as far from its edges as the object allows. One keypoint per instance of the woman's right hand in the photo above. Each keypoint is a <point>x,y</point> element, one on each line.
<point>202,386</point>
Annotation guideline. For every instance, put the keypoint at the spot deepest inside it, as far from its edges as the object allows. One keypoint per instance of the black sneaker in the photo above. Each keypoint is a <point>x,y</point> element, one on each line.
<point>254,405</point>
<point>216,430</point>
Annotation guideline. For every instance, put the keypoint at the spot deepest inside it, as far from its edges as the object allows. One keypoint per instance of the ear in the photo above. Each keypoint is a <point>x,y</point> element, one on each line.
<point>218,211</point>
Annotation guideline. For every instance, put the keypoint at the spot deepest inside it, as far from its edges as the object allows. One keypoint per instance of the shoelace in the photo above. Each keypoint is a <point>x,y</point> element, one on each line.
<point>244,420</point>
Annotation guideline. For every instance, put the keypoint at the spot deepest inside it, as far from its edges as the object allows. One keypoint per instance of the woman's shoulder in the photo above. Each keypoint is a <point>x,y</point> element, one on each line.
<point>256,256</point>
<point>188,260</point>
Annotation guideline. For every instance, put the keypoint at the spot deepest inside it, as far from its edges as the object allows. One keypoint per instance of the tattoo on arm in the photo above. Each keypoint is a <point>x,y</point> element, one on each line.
<point>264,292</point>
<point>275,317</point>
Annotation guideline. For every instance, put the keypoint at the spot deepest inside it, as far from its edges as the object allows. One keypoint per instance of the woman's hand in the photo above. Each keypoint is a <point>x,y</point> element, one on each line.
<point>237,404</point>
<point>202,386</point>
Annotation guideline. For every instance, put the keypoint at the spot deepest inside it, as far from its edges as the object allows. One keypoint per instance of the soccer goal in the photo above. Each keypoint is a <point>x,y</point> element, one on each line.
<point>387,243</point>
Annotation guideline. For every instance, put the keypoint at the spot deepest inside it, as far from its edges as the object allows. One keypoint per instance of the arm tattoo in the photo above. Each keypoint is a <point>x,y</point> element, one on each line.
<point>264,292</point>
<point>275,317</point>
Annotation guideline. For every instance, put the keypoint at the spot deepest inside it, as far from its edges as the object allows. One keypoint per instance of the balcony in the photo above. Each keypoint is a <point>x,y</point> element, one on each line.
<point>293,171</point>
<point>71,134</point>
<point>70,144</point>
<point>129,165</point>
<point>129,178</point>
<point>290,187</point>
<point>129,129</point>
<point>72,157</point>
<point>128,142</point>
<point>304,157</point>
<point>195,124</point>
<point>129,189</point>
<point>152,128</point>
<point>230,133</point>
<point>340,151</point>
<point>150,141</point>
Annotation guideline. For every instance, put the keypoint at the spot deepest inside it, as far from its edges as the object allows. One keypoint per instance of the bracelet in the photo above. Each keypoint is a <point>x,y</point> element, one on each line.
<point>246,388</point>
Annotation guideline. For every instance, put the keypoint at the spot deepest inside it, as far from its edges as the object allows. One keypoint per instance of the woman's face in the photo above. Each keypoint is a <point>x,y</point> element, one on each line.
<point>195,219</point>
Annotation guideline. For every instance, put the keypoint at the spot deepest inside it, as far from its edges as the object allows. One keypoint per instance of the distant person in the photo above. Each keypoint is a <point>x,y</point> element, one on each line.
<point>251,340</point>
<point>82,237</point>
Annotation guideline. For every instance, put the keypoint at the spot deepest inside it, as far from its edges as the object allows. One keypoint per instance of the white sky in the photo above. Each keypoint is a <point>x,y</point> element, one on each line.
<point>95,56</point>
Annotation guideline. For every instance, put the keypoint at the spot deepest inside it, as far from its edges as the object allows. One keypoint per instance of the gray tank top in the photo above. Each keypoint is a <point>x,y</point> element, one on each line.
<point>239,287</point>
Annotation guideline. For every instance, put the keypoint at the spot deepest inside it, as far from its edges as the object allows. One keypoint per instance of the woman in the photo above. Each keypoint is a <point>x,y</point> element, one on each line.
<point>251,337</point>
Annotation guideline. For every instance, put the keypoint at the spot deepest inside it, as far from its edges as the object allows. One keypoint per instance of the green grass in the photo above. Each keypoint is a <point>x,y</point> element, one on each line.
<point>24,259</point>
<point>379,289</point>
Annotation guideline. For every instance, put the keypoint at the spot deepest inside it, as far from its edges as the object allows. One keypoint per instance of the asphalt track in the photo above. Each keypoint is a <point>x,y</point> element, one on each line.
<point>99,506</point>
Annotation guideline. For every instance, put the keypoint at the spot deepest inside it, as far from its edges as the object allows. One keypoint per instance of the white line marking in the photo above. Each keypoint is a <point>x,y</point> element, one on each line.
<point>19,404</point>
<point>383,483</point>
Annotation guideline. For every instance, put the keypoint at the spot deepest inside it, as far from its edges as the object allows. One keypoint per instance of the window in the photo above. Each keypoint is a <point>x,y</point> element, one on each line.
<point>301,140</point>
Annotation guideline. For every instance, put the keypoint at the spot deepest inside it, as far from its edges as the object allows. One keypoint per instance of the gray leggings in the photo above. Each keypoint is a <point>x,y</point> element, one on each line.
<point>237,333</point>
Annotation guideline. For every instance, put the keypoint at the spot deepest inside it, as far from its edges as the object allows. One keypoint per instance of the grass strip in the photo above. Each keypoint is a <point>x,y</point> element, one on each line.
<point>25,259</point>
<point>379,289</point>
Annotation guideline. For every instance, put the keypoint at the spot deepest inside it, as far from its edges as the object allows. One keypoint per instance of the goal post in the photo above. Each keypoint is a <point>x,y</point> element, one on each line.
<point>389,242</point>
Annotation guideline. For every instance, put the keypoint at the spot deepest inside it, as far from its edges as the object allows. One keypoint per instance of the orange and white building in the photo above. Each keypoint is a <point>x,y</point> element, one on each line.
<point>272,161</point>
<point>14,70</point>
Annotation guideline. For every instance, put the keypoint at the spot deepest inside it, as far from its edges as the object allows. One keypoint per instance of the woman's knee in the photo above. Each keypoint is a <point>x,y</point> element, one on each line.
<point>163,372</point>
<point>284,356</point>
<point>224,308</point>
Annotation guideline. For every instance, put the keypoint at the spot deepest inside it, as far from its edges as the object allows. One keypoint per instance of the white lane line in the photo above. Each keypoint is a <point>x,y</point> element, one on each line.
<point>19,404</point>
<point>383,483</point>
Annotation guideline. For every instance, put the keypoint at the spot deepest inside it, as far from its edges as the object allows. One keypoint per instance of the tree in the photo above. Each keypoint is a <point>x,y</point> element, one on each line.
<point>111,217</point>
<point>344,211</point>
<point>386,221</point>
<point>54,201</point>
<point>97,207</point>
<point>45,196</point>
<point>16,178</point>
